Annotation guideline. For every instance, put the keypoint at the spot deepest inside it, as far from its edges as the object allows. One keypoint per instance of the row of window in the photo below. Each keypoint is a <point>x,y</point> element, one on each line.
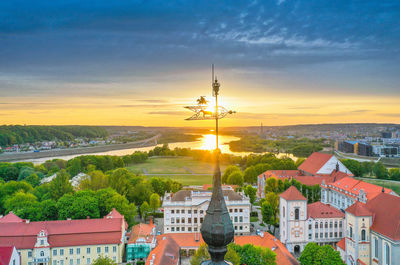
<point>363,234</point>
<point>321,235</point>
<point>189,220</point>
<point>331,224</point>
<point>202,212</point>
<point>71,251</point>
<point>72,262</point>
<point>195,229</point>
<point>386,251</point>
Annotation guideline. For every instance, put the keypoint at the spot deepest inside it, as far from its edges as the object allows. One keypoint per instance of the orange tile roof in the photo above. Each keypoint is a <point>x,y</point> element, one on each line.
<point>292,194</point>
<point>386,218</point>
<point>359,209</point>
<point>188,240</point>
<point>342,244</point>
<point>142,231</point>
<point>314,162</point>
<point>321,210</point>
<point>361,262</point>
<point>165,253</point>
<point>354,186</point>
<point>283,256</point>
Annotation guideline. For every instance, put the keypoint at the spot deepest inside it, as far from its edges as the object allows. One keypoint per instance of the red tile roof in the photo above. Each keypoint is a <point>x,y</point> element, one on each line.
<point>354,186</point>
<point>314,162</point>
<point>359,209</point>
<point>22,235</point>
<point>386,218</point>
<point>292,194</point>
<point>321,210</point>
<point>165,253</point>
<point>361,262</point>
<point>192,240</point>
<point>283,256</point>
<point>5,255</point>
<point>11,218</point>
<point>142,231</point>
<point>342,244</point>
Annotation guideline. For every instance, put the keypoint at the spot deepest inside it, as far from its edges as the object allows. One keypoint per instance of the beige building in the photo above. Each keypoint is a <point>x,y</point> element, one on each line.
<point>65,242</point>
<point>184,211</point>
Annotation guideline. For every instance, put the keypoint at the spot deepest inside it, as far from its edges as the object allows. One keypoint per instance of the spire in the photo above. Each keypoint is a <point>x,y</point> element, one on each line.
<point>383,189</point>
<point>337,166</point>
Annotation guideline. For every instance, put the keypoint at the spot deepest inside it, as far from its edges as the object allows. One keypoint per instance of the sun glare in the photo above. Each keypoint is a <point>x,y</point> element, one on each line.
<point>208,142</point>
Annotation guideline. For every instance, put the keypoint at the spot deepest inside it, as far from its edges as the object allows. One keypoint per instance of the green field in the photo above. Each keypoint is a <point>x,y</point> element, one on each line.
<point>395,186</point>
<point>183,169</point>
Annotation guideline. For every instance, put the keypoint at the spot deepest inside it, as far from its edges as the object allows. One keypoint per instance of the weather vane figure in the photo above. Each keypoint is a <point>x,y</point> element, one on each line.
<point>217,229</point>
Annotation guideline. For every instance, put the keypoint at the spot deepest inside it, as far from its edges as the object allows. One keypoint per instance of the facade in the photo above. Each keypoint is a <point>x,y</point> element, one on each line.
<point>141,241</point>
<point>9,256</point>
<point>344,192</point>
<point>317,168</point>
<point>184,211</point>
<point>372,232</point>
<point>65,242</point>
<point>301,223</point>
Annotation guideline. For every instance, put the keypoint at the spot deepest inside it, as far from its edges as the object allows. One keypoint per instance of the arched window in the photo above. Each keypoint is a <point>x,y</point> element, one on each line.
<point>387,254</point>
<point>351,232</point>
<point>283,211</point>
<point>363,237</point>
<point>41,253</point>
<point>296,214</point>
<point>376,247</point>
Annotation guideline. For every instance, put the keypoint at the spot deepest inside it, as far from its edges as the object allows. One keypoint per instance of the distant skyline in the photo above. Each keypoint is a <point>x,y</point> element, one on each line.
<point>137,63</point>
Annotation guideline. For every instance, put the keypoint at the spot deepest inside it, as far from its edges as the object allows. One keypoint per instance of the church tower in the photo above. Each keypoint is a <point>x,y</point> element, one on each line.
<point>293,220</point>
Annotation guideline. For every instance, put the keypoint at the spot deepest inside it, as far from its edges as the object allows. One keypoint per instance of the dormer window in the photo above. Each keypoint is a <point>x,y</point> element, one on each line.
<point>42,253</point>
<point>41,242</point>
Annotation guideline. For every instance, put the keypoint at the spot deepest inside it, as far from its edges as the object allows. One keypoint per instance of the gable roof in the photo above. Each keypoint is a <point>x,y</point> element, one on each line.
<point>321,210</point>
<point>292,194</point>
<point>5,255</point>
<point>61,233</point>
<point>386,218</point>
<point>359,209</point>
<point>11,218</point>
<point>142,231</point>
<point>314,162</point>
<point>342,244</point>
<point>165,253</point>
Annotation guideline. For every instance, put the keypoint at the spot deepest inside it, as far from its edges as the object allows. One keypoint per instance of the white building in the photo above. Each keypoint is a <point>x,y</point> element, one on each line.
<point>184,211</point>
<point>9,256</point>
<point>301,223</point>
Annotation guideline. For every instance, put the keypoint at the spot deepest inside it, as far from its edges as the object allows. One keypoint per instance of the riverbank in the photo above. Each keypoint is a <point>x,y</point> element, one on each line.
<point>10,157</point>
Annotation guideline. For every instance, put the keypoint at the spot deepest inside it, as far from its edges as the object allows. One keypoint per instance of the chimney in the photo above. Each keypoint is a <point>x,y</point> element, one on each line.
<point>151,220</point>
<point>88,217</point>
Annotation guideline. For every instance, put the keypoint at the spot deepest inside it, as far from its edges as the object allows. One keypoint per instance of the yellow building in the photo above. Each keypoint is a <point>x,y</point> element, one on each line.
<point>65,242</point>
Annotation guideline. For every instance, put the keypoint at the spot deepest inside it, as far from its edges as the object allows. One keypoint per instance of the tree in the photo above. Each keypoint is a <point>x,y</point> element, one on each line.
<point>394,173</point>
<point>96,181</point>
<point>236,178</point>
<point>354,166</point>
<point>33,179</point>
<point>60,185</point>
<point>252,255</point>
<point>158,185</point>
<point>24,205</point>
<point>154,201</point>
<point>78,206</point>
<point>228,171</point>
<point>267,213</point>
<point>104,261</point>
<point>271,185</point>
<point>250,175</point>
<point>251,192</point>
<point>140,193</point>
<point>202,255</point>
<point>49,210</point>
<point>144,209</point>
<point>380,170</point>
<point>119,180</point>
<point>321,255</point>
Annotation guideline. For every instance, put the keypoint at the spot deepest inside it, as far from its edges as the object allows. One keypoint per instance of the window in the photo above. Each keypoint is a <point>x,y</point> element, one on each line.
<point>240,210</point>
<point>340,234</point>
<point>387,254</point>
<point>330,224</point>
<point>54,262</point>
<point>340,224</point>
<point>114,259</point>
<point>172,211</point>
<point>309,227</point>
<point>189,211</point>
<point>296,214</point>
<point>88,261</point>
<point>87,250</point>
<point>375,247</point>
<point>178,229</point>
<point>195,229</point>
<point>177,211</point>
<point>321,235</point>
<point>335,224</point>
<point>201,220</point>
<point>29,254</point>
<point>54,252</point>
<point>316,235</point>
<point>195,220</point>
<point>316,225</point>
<point>230,210</point>
<point>326,234</point>
<point>173,229</point>
<point>183,211</point>
<point>78,261</point>
<point>182,220</point>
<point>236,211</point>
<point>283,211</point>
<point>177,220</point>
<point>71,262</point>
<point>201,211</point>
<point>42,242</point>
<point>42,253</point>
<point>78,251</point>
<point>241,219</point>
<point>309,236</point>
<point>321,225</point>
<point>61,262</point>
<point>195,211</point>
<point>61,252</point>
<point>335,234</point>
<point>71,251</point>
<point>114,249</point>
<point>106,249</point>
<point>183,229</point>
<point>236,219</point>
<point>351,232</point>
<point>172,220</point>
<point>363,236</point>
<point>189,229</point>
<point>189,220</point>
<point>240,227</point>
<point>331,234</point>
<point>98,250</point>
<point>326,224</point>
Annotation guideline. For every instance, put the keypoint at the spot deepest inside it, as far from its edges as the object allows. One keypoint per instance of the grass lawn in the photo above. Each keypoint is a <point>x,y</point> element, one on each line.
<point>253,219</point>
<point>390,185</point>
<point>196,172</point>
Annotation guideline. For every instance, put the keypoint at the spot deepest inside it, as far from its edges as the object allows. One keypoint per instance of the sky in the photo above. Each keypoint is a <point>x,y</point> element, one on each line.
<point>128,62</point>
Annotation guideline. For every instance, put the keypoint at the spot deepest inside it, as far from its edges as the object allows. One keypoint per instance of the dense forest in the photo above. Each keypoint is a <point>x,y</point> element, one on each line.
<point>18,134</point>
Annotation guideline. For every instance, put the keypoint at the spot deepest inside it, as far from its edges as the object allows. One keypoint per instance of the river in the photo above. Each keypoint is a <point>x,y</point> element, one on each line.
<point>207,142</point>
